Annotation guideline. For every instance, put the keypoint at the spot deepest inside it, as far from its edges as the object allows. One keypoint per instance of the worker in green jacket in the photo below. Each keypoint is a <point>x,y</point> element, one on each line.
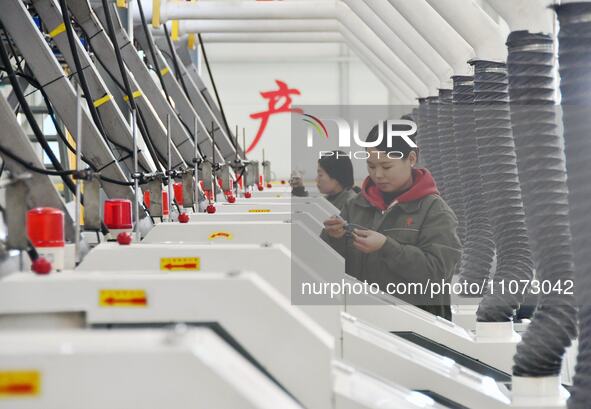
<point>398,229</point>
<point>334,178</point>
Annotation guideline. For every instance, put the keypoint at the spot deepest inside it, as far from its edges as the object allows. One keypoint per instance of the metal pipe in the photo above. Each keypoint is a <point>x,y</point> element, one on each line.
<point>304,9</point>
<point>423,18</point>
<point>253,26</point>
<point>411,37</point>
<point>136,181</point>
<point>526,15</point>
<point>169,168</point>
<point>401,50</point>
<point>356,26</point>
<point>78,209</point>
<point>379,67</point>
<point>318,37</point>
<point>483,34</point>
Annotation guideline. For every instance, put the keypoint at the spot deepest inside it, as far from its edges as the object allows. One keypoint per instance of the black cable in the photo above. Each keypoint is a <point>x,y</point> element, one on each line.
<point>175,63</point>
<point>32,167</point>
<point>141,123</point>
<point>215,90</point>
<point>48,172</point>
<point>79,69</point>
<point>126,84</point>
<point>29,115</point>
<point>150,41</point>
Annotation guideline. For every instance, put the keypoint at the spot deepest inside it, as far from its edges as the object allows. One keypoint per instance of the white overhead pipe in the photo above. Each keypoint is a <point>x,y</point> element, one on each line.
<point>377,46</point>
<point>253,52</point>
<point>535,17</point>
<point>254,26</point>
<point>343,14</point>
<point>398,47</point>
<point>319,37</point>
<point>442,36</point>
<point>407,33</point>
<point>382,71</point>
<point>486,37</point>
<point>222,10</point>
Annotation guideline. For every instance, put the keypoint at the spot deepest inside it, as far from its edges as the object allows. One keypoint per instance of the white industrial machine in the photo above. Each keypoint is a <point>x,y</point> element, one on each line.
<point>493,346</point>
<point>175,368</point>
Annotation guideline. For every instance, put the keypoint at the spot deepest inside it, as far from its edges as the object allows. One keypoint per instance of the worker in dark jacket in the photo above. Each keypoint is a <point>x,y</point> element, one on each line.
<point>296,181</point>
<point>404,232</point>
<point>334,178</point>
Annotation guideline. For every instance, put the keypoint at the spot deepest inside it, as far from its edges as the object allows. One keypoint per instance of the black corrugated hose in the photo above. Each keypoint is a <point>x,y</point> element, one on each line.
<point>574,56</point>
<point>422,126</point>
<point>450,167</point>
<point>430,141</point>
<point>478,246</point>
<point>542,173</point>
<point>502,192</point>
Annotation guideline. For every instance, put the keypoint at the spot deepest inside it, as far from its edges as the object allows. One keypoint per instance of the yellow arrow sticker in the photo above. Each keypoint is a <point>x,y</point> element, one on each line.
<point>180,263</point>
<point>259,210</point>
<point>220,235</point>
<point>123,298</point>
<point>20,384</point>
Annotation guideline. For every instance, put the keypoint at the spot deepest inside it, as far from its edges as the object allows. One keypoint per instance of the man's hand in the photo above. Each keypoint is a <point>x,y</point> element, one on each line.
<point>368,241</point>
<point>335,227</point>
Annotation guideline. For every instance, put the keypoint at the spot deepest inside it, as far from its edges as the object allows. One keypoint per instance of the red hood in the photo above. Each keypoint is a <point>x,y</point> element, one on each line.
<point>423,185</point>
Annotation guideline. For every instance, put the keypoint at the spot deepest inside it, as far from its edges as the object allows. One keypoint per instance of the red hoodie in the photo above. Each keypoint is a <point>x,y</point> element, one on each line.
<point>423,185</point>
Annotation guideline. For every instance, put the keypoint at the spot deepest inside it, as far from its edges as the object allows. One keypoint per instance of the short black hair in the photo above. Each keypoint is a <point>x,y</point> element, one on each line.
<point>398,144</point>
<point>339,167</point>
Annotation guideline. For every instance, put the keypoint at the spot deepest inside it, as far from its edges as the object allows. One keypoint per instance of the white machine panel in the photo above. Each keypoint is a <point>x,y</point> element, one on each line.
<point>245,306</point>
<point>273,263</point>
<point>148,369</point>
<point>311,249</point>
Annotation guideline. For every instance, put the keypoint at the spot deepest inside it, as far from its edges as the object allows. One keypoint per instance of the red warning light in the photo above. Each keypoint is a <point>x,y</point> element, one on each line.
<point>178,193</point>
<point>117,214</point>
<point>165,204</point>
<point>45,227</point>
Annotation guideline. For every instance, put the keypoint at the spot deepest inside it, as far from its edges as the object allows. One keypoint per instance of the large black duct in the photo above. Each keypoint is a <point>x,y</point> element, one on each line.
<point>449,159</point>
<point>478,245</point>
<point>542,174</point>
<point>502,192</point>
<point>575,85</point>
<point>430,141</point>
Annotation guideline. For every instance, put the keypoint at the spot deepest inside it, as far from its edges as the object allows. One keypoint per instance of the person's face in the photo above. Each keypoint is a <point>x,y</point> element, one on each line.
<point>326,185</point>
<point>390,174</point>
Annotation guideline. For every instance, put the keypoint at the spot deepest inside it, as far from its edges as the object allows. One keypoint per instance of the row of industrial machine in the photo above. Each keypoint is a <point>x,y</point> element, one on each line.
<point>175,281</point>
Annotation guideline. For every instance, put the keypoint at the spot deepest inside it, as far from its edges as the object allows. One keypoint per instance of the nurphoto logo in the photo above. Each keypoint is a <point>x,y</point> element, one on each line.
<point>395,128</point>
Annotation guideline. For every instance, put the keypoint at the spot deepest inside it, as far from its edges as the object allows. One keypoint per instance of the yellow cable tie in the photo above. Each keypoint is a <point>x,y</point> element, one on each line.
<point>135,95</point>
<point>164,71</point>
<point>122,4</point>
<point>155,13</point>
<point>191,41</point>
<point>58,30</point>
<point>175,30</point>
<point>106,98</point>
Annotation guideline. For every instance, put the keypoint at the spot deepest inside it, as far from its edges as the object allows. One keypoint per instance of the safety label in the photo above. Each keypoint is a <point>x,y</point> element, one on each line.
<point>220,235</point>
<point>259,210</point>
<point>123,298</point>
<point>180,263</point>
<point>19,384</point>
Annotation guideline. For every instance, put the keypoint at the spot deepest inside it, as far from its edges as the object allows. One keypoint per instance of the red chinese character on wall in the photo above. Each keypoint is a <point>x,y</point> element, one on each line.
<point>273,97</point>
